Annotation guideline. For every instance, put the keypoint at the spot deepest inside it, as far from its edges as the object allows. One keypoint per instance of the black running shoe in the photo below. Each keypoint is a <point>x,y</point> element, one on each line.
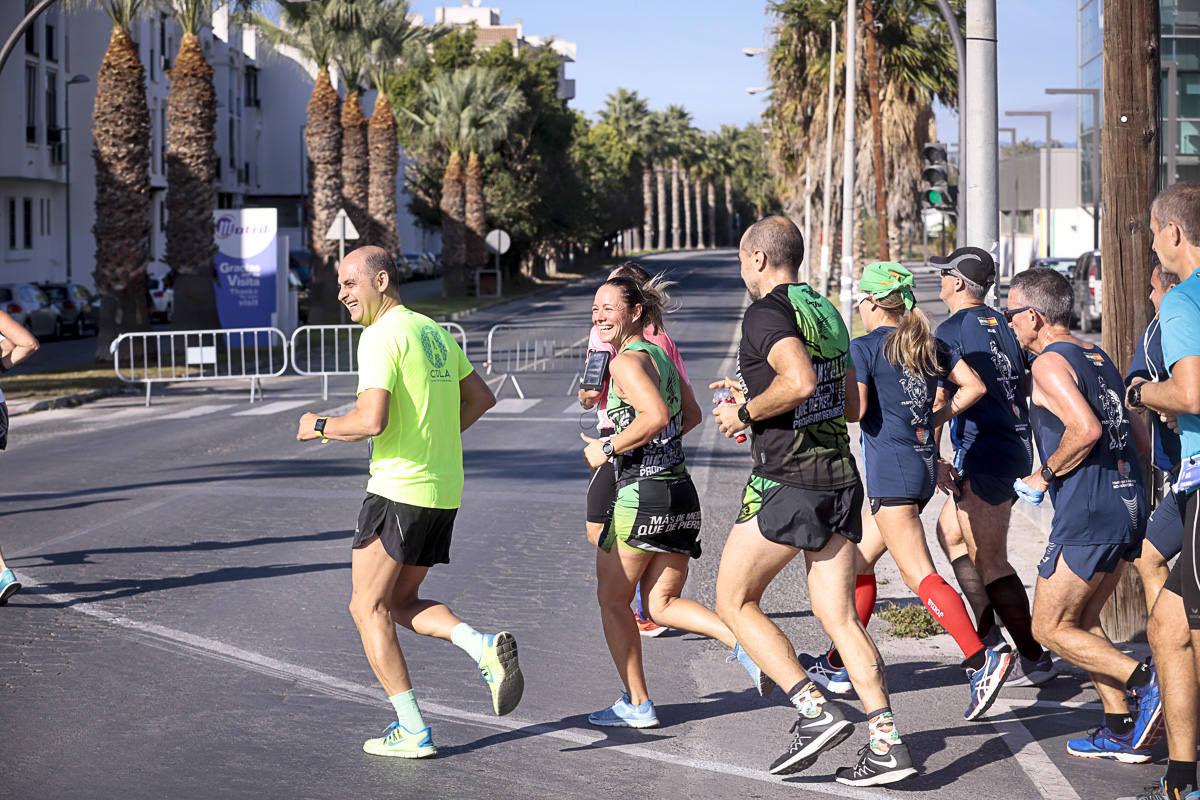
<point>874,769</point>
<point>813,736</point>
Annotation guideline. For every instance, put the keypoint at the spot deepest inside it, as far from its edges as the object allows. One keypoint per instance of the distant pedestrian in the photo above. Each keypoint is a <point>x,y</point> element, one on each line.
<point>416,393</point>
<point>16,345</point>
<point>1090,471</point>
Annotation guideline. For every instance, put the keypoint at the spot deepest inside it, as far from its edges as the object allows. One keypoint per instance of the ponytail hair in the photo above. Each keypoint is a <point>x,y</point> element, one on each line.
<point>911,345</point>
<point>651,296</point>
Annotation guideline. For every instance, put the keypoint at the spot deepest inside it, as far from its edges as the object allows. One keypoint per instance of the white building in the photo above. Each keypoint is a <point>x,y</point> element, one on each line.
<point>1035,223</point>
<point>261,106</point>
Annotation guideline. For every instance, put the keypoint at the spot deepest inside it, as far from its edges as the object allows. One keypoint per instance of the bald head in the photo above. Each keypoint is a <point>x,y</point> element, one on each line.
<point>369,261</point>
<point>779,240</point>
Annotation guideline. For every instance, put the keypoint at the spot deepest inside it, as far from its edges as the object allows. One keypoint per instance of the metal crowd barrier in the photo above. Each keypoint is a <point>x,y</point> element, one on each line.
<point>180,356</point>
<point>530,348</point>
<point>324,350</point>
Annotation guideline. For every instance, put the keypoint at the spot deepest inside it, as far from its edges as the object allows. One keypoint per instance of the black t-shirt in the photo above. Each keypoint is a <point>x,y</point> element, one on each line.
<point>809,446</point>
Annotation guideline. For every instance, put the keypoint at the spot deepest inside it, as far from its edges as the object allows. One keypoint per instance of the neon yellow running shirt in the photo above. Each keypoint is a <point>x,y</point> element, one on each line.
<point>418,457</point>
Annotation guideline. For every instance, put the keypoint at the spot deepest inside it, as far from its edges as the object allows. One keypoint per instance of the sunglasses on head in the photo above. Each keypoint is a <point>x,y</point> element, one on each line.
<point>1009,313</point>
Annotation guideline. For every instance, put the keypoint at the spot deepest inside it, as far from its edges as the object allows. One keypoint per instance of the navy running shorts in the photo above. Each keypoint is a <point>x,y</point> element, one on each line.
<point>995,490</point>
<point>1164,529</point>
<point>1085,560</point>
<point>412,535</point>
<point>1184,579</point>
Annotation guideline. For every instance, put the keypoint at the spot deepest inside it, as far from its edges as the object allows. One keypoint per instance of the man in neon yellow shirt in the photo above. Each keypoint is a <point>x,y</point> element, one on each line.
<point>413,377</point>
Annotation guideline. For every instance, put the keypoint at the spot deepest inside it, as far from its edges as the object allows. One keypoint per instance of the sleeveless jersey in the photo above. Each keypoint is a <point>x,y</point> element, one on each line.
<point>662,456</point>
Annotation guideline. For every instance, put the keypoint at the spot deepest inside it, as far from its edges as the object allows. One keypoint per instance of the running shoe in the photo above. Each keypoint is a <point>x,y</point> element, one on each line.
<point>762,682</point>
<point>874,769</point>
<point>1147,726</point>
<point>1032,673</point>
<point>1160,793</point>
<point>811,737</point>
<point>9,585</point>
<point>647,628</point>
<point>821,672</point>
<point>624,714</point>
<point>1103,743</point>
<point>994,640</point>
<point>398,742</point>
<point>987,681</point>
<point>498,666</point>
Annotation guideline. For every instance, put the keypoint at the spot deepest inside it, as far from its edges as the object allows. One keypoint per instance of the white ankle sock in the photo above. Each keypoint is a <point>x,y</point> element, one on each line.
<point>469,640</point>
<point>407,712</point>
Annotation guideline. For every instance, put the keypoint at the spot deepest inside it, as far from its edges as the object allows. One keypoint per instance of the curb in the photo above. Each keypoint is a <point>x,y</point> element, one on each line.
<point>66,401</point>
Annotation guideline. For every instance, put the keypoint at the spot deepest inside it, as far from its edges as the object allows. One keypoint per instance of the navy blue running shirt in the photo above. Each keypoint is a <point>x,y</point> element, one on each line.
<point>1101,501</point>
<point>1148,363</point>
<point>999,422</point>
<point>899,457</point>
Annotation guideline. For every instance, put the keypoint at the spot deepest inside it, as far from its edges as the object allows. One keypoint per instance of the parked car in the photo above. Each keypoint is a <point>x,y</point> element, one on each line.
<point>296,282</point>
<point>162,297</point>
<point>1065,265</point>
<point>1089,293</point>
<point>404,268</point>
<point>425,265</point>
<point>80,308</point>
<point>30,306</point>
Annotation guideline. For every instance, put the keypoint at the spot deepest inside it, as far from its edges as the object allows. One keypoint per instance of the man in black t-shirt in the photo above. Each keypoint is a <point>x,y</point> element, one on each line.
<point>803,495</point>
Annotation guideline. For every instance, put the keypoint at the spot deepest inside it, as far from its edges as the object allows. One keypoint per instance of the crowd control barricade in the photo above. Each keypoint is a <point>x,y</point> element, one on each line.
<point>151,357</point>
<point>324,350</point>
<point>524,350</point>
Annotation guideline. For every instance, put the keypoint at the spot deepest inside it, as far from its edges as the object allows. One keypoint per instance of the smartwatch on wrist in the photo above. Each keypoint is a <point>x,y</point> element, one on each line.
<point>319,425</point>
<point>607,448</point>
<point>1135,395</point>
<point>744,414</point>
<point>1048,474</point>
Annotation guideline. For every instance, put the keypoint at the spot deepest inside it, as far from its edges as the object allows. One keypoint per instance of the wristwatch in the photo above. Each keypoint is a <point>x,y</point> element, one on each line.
<point>1135,395</point>
<point>607,448</point>
<point>319,425</point>
<point>1048,474</point>
<point>744,414</point>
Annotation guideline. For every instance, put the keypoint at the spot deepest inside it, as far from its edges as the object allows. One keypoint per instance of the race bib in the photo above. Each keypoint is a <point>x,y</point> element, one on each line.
<point>1189,475</point>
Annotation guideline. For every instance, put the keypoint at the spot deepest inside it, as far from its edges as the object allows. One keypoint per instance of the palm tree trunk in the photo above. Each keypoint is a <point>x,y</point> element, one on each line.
<point>121,131</point>
<point>648,205</point>
<point>191,186</point>
<point>660,180</point>
<point>687,208</point>
<point>356,168</point>
<point>729,232</point>
<point>881,215</point>
<point>453,208</point>
<point>323,138</point>
<point>675,203</point>
<point>475,214</point>
<point>699,214</point>
<point>712,211</point>
<point>384,154</point>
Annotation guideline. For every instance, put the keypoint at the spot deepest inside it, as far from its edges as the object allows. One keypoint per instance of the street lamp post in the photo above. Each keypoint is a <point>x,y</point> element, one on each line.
<point>74,81</point>
<point>1012,222</point>
<point>1048,198</point>
<point>1095,95</point>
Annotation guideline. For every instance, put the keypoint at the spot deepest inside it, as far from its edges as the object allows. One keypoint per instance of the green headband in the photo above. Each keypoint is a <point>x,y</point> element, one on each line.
<point>884,277</point>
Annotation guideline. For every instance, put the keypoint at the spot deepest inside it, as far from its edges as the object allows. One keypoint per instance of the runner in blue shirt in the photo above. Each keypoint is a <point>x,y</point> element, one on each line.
<point>1175,224</point>
<point>1090,470</point>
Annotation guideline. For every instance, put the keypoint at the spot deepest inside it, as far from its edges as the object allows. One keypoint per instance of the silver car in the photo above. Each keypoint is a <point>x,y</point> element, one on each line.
<point>30,306</point>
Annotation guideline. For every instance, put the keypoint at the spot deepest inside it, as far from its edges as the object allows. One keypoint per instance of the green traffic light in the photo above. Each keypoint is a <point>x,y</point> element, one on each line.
<point>935,197</point>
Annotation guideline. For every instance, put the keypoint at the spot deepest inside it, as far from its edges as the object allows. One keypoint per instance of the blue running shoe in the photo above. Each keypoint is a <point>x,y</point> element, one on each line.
<point>762,682</point>
<point>9,585</point>
<point>398,742</point>
<point>1103,743</point>
<point>822,673</point>
<point>987,681</point>
<point>624,714</point>
<point>1147,726</point>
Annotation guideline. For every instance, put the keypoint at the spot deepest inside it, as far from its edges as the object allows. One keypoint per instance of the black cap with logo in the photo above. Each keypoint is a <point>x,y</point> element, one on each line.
<point>973,263</point>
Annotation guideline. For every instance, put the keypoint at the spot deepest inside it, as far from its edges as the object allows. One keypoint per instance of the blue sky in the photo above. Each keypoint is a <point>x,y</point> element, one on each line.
<point>690,52</point>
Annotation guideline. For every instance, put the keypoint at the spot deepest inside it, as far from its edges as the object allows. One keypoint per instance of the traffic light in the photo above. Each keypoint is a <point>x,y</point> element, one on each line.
<point>936,192</point>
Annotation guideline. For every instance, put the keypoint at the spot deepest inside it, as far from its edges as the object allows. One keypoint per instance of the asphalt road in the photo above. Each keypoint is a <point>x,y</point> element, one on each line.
<point>184,632</point>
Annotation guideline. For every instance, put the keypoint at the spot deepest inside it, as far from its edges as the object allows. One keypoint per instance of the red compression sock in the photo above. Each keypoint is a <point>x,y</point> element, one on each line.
<point>948,609</point>
<point>864,597</point>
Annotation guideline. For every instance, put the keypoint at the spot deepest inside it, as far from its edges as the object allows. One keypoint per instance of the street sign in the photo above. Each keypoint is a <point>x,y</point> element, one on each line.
<point>342,227</point>
<point>498,241</point>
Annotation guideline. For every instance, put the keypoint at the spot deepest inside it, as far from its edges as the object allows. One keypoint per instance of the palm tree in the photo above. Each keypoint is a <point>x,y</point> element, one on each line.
<point>628,115</point>
<point>192,171</point>
<point>871,12</point>
<point>721,152</point>
<point>676,127</point>
<point>308,28</point>
<point>121,131</point>
<point>468,110</point>
<point>351,58</point>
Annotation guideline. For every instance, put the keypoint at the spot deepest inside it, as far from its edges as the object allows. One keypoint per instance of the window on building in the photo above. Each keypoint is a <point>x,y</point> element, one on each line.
<point>12,223</point>
<point>31,93</point>
<point>51,32</point>
<point>162,216</point>
<point>27,223</point>
<point>52,133</point>
<point>162,149</point>
<point>232,147</point>
<point>252,87</point>
<point>31,41</point>
<point>152,77</point>
<point>48,216</point>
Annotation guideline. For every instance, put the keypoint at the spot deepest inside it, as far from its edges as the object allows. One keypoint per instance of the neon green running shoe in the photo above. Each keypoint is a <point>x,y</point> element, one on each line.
<point>398,742</point>
<point>498,666</point>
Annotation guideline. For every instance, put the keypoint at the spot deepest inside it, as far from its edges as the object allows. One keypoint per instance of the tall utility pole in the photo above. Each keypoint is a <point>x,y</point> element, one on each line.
<point>1012,220</point>
<point>960,54</point>
<point>827,186</point>
<point>1130,151</point>
<point>881,192</point>
<point>981,157</point>
<point>850,106</point>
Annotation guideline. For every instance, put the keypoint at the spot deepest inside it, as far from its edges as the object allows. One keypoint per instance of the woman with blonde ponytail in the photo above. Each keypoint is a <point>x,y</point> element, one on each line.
<point>897,365</point>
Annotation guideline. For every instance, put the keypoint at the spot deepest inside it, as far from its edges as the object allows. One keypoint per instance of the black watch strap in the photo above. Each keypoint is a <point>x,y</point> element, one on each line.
<point>319,425</point>
<point>744,413</point>
<point>1048,474</point>
<point>607,448</point>
<point>1135,396</point>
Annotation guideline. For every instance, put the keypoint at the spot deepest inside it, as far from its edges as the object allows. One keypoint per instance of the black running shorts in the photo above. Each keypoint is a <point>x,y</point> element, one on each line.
<point>412,535</point>
<point>3,425</point>
<point>1184,579</point>
<point>602,491</point>
<point>893,502</point>
<point>802,518</point>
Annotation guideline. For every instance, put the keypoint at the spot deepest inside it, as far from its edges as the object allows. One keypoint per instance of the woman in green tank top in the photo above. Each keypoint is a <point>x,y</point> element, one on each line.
<point>653,528</point>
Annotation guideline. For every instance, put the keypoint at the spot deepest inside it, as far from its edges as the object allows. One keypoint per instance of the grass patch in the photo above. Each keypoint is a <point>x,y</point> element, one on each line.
<point>910,621</point>
<point>62,381</point>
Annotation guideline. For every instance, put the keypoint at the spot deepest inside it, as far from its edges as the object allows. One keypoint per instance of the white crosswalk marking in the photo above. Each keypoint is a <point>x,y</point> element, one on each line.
<point>271,408</point>
<point>575,408</point>
<point>514,405</point>
<point>196,411</point>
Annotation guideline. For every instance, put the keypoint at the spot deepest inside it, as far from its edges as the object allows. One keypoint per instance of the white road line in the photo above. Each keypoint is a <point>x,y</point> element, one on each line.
<point>347,690</point>
<point>575,408</point>
<point>270,408</point>
<point>514,405</point>
<point>196,411</point>
<point>1030,755</point>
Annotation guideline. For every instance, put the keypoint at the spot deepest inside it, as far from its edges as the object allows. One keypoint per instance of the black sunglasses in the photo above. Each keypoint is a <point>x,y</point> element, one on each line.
<point>1009,313</point>
<point>948,271</point>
